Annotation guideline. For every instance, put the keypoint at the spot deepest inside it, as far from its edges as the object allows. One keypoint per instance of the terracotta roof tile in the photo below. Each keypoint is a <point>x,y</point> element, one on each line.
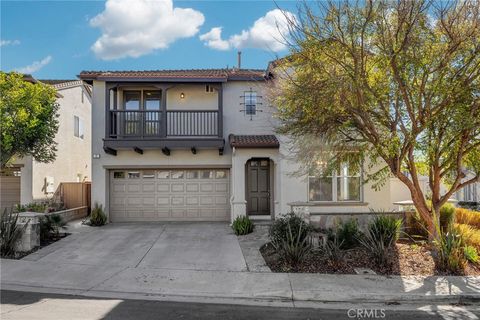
<point>254,141</point>
<point>220,74</point>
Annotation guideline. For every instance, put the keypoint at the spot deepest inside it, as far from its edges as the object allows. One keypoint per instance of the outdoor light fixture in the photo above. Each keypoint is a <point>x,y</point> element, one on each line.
<point>182,95</point>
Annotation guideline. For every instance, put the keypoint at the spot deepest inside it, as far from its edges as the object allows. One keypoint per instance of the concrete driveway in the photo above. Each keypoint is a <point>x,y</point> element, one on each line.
<point>180,246</point>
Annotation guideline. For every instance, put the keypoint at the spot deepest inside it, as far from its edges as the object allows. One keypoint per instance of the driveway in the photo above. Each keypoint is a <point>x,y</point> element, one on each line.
<point>179,246</point>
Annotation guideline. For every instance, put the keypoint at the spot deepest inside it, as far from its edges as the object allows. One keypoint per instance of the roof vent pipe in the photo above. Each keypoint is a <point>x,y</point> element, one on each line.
<point>239,60</point>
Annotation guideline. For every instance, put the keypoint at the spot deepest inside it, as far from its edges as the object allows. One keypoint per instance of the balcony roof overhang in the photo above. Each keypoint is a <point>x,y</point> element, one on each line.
<point>184,143</point>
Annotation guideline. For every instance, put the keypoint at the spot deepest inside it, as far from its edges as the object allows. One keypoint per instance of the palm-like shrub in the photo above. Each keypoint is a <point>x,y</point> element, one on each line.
<point>347,234</point>
<point>10,233</point>
<point>295,246</point>
<point>450,251</point>
<point>386,228</point>
<point>242,225</point>
<point>288,223</point>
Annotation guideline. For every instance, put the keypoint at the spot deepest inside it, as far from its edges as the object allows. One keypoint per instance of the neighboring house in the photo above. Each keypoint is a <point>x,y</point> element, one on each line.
<point>192,145</point>
<point>470,193</point>
<point>28,180</point>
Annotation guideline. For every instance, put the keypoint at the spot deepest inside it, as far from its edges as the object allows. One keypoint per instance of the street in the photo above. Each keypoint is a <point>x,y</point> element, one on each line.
<point>32,306</point>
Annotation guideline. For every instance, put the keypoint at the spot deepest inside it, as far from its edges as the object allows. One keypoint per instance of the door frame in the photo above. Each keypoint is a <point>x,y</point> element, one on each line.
<point>270,186</point>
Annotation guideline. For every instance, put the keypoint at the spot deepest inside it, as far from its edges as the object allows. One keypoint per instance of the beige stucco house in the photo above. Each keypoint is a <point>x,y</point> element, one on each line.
<point>193,145</point>
<point>28,180</point>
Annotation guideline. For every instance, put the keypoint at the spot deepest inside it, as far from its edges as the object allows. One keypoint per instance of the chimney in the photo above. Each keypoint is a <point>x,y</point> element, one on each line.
<point>239,60</point>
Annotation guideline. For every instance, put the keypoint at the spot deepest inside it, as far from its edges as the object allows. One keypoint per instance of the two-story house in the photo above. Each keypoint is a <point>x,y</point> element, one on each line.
<point>193,145</point>
<point>27,180</point>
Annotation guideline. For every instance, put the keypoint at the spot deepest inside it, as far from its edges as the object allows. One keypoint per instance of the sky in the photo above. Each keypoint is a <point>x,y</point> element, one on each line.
<point>58,39</point>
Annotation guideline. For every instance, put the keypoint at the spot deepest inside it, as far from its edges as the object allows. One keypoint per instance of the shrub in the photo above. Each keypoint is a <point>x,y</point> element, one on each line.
<point>279,229</point>
<point>470,235</point>
<point>97,217</point>
<point>10,233</point>
<point>347,234</point>
<point>386,228</point>
<point>450,251</point>
<point>465,216</point>
<point>242,225</point>
<point>333,249</point>
<point>46,228</point>
<point>377,244</point>
<point>447,216</point>
<point>471,254</point>
<point>294,247</point>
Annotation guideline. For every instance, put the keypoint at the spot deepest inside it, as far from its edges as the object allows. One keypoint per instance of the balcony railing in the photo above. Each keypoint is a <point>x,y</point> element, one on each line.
<point>146,124</point>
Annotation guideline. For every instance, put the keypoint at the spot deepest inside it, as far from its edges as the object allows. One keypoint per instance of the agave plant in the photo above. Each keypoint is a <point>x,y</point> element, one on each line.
<point>10,233</point>
<point>294,248</point>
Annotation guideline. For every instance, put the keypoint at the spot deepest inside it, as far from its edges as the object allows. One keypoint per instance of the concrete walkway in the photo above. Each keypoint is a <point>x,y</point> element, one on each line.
<point>144,267</point>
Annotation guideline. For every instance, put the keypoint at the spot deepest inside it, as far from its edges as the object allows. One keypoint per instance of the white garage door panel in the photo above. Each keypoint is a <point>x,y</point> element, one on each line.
<point>169,195</point>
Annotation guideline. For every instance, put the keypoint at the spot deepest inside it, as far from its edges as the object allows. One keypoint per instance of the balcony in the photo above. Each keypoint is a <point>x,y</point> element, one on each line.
<point>163,116</point>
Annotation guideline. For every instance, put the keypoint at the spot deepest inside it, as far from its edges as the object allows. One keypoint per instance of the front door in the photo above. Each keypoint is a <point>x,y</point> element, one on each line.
<point>258,187</point>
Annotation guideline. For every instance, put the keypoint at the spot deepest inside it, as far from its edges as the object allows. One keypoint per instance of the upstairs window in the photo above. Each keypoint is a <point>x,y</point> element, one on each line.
<point>132,100</point>
<point>151,100</point>
<point>208,88</point>
<point>250,102</point>
<point>78,127</point>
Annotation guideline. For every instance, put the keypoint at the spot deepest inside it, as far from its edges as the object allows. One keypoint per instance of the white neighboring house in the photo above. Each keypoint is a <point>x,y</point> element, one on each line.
<point>28,180</point>
<point>200,145</point>
<point>470,193</point>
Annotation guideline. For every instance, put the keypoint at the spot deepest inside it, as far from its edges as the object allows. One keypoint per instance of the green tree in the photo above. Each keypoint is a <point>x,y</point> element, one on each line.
<point>396,83</point>
<point>28,119</point>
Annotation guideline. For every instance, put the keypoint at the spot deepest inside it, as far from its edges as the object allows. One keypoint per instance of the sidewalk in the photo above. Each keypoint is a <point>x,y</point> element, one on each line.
<point>233,287</point>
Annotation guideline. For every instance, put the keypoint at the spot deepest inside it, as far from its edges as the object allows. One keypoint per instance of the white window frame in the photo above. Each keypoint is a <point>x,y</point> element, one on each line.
<point>78,127</point>
<point>334,177</point>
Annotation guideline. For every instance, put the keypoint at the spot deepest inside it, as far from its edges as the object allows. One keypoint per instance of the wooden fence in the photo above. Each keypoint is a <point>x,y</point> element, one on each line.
<point>75,194</point>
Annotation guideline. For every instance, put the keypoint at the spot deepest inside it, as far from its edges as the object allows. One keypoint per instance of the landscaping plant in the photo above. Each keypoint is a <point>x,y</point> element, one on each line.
<point>347,234</point>
<point>97,217</point>
<point>386,228</point>
<point>242,225</point>
<point>333,249</point>
<point>295,246</point>
<point>450,251</point>
<point>279,230</point>
<point>469,217</point>
<point>471,254</point>
<point>10,233</point>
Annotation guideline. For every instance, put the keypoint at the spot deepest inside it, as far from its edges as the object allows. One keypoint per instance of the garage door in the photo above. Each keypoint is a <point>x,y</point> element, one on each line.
<point>169,195</point>
<point>9,189</point>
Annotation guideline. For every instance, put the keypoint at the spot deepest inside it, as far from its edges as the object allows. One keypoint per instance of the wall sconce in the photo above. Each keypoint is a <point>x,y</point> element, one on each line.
<point>182,95</point>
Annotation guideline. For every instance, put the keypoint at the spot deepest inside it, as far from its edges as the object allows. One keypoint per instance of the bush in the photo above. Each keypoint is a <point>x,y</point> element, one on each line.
<point>294,247</point>
<point>386,228</point>
<point>279,229</point>
<point>97,217</point>
<point>347,234</point>
<point>333,249</point>
<point>470,235</point>
<point>447,216</point>
<point>10,233</point>
<point>242,225</point>
<point>471,254</point>
<point>450,251</point>
<point>465,216</point>
<point>376,244</point>
<point>415,225</point>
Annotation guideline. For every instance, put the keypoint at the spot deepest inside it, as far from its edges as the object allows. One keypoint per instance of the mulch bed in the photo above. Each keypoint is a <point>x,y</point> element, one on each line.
<point>408,258</point>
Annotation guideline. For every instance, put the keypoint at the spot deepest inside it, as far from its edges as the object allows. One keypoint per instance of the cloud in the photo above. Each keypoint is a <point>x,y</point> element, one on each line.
<point>9,43</point>
<point>132,28</point>
<point>35,66</point>
<point>268,33</point>
<point>213,39</point>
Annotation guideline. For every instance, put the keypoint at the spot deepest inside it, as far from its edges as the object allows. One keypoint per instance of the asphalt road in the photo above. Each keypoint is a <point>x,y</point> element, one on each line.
<point>32,306</point>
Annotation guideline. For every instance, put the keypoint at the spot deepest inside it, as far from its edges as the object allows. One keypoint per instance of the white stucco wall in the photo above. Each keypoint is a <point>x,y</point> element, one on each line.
<point>287,187</point>
<point>73,154</point>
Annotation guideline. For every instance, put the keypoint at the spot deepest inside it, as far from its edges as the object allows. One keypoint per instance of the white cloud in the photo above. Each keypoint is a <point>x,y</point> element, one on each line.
<point>132,28</point>
<point>213,39</point>
<point>268,33</point>
<point>9,42</point>
<point>35,66</point>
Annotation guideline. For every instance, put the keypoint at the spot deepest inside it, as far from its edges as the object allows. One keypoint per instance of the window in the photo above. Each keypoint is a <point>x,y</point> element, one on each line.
<point>132,100</point>
<point>250,102</point>
<point>192,174</point>
<point>133,175</point>
<point>208,88</point>
<point>151,100</point>
<point>148,174</point>
<point>221,174</point>
<point>342,185</point>
<point>207,174</point>
<point>177,174</point>
<point>78,127</point>
<point>163,174</point>
<point>118,175</point>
